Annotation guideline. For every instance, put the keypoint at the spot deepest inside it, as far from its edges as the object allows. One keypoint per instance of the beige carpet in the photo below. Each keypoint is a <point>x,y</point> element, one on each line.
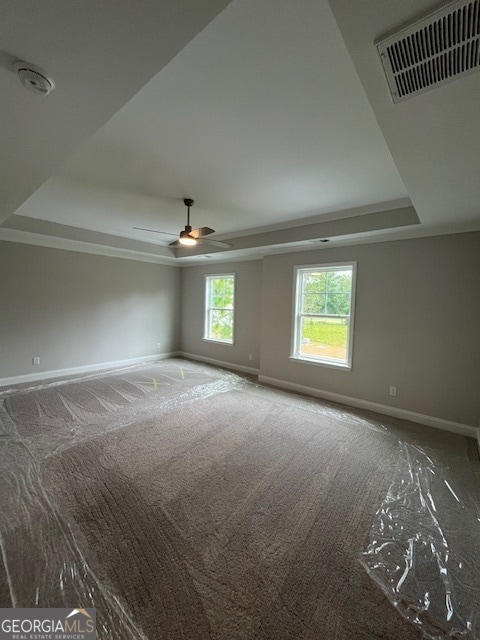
<point>213,508</point>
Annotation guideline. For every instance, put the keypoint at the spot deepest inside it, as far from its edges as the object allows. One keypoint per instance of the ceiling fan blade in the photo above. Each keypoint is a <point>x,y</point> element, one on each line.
<point>166,233</point>
<point>202,231</point>
<point>214,243</point>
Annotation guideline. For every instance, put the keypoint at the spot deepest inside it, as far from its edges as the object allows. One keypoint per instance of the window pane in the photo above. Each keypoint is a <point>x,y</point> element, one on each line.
<point>339,281</point>
<point>314,282</point>
<point>228,287</point>
<point>313,303</point>
<point>228,293</point>
<point>324,338</point>
<point>217,286</point>
<point>221,325</point>
<point>338,304</point>
<point>217,301</point>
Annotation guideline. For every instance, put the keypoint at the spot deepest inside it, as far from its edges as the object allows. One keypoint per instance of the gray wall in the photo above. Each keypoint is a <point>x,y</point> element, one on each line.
<point>248,293</point>
<point>417,325</point>
<point>74,309</point>
<point>417,321</point>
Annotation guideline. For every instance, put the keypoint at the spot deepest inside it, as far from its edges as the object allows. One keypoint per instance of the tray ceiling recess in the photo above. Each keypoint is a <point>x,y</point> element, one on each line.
<point>432,51</point>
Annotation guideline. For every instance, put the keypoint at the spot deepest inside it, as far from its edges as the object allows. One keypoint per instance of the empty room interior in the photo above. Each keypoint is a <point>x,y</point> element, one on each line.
<point>240,317</point>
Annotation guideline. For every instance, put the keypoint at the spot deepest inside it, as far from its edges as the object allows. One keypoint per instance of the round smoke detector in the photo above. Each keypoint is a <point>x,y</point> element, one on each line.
<point>33,78</point>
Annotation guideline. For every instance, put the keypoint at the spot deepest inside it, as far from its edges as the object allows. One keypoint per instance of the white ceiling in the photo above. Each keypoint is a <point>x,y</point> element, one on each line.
<point>266,118</point>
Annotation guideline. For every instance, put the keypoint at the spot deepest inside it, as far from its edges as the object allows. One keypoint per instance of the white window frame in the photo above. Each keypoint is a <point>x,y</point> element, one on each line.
<point>208,278</point>
<point>297,315</point>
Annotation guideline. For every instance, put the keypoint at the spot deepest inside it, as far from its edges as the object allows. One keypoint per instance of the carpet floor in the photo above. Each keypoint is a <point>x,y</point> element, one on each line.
<point>194,504</point>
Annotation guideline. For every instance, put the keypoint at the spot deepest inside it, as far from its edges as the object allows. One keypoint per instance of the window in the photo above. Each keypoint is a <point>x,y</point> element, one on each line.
<point>219,307</point>
<point>323,321</point>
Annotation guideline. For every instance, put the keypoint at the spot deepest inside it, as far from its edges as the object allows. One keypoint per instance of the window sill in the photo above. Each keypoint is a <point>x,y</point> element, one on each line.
<point>322,363</point>
<point>229,344</point>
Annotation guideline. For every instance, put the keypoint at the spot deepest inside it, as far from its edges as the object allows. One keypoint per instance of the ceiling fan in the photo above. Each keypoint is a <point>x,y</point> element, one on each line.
<point>189,236</point>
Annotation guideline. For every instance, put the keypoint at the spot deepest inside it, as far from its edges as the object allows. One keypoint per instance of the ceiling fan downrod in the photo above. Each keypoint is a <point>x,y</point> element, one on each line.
<point>185,237</point>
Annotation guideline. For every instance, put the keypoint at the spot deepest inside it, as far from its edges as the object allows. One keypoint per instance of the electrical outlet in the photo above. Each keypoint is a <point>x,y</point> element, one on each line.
<point>393,391</point>
<point>159,344</point>
<point>36,360</point>
<point>250,357</point>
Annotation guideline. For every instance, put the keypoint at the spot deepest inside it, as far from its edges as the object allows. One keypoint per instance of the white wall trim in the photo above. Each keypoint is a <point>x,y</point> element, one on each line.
<point>219,363</point>
<point>395,412</point>
<point>59,373</point>
<point>39,240</point>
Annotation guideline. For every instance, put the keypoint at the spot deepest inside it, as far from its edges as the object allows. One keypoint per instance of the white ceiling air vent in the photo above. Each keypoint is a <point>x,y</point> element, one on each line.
<point>441,47</point>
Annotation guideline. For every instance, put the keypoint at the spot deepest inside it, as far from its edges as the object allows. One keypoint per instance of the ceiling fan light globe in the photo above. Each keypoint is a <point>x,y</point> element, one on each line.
<point>187,240</point>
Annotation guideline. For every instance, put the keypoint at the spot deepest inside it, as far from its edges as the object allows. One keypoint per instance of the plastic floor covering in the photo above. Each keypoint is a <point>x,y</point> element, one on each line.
<point>421,547</point>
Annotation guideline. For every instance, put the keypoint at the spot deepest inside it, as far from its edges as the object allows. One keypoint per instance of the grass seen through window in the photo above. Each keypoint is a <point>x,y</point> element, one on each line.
<point>324,337</point>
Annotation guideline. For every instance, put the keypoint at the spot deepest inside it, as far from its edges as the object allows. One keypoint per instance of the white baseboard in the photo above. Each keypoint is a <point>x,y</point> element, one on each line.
<point>395,412</point>
<point>219,363</point>
<point>59,373</point>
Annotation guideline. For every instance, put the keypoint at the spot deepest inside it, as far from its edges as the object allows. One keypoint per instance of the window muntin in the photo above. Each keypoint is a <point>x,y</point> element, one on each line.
<point>323,318</point>
<point>219,308</point>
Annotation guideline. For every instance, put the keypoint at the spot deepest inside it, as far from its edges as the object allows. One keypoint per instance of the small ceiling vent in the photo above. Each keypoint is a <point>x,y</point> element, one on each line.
<point>437,49</point>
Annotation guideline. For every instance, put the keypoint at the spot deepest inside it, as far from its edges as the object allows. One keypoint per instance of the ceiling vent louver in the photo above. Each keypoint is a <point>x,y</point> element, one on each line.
<point>440,48</point>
